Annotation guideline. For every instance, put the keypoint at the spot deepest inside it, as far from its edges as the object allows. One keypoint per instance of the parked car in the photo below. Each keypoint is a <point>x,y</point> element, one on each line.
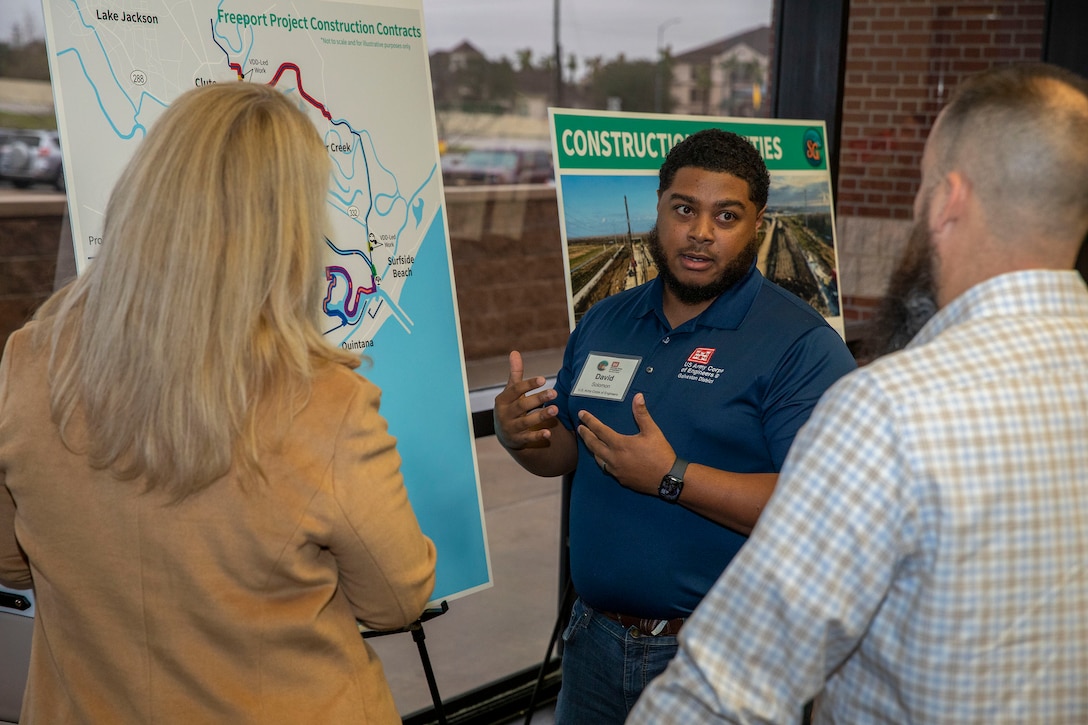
<point>451,162</point>
<point>498,166</point>
<point>31,157</point>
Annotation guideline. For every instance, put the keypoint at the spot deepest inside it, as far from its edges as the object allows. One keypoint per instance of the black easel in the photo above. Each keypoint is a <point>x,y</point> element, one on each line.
<point>416,628</point>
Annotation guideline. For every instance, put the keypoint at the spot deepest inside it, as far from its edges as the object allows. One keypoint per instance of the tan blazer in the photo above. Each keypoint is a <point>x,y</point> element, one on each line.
<point>237,605</point>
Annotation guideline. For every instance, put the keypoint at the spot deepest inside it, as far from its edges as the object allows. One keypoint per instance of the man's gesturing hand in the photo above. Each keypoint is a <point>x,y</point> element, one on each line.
<point>523,420</point>
<point>637,461</point>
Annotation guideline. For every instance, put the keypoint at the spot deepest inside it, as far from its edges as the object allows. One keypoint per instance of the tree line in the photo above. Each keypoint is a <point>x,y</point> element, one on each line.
<point>24,55</point>
<point>481,85</point>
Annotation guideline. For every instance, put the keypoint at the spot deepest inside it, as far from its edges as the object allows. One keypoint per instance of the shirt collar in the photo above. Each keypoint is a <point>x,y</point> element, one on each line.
<point>727,311</point>
<point>1036,292</point>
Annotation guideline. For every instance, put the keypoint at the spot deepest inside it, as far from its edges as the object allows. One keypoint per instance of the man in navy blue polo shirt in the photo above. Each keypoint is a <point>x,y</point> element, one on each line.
<point>675,407</point>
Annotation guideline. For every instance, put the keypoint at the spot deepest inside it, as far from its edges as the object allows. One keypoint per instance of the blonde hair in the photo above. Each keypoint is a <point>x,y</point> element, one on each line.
<point>200,312</point>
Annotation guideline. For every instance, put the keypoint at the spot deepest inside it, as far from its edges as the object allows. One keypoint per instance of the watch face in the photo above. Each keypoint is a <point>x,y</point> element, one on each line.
<point>670,488</point>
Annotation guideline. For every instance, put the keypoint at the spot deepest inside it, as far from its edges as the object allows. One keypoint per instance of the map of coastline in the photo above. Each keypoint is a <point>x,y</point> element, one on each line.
<point>360,73</point>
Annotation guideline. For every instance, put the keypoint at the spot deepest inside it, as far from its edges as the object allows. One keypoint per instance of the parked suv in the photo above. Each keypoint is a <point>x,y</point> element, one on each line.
<point>498,166</point>
<point>30,157</point>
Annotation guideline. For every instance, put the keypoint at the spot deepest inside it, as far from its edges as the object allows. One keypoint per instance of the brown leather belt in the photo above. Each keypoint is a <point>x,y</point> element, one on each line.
<point>647,627</point>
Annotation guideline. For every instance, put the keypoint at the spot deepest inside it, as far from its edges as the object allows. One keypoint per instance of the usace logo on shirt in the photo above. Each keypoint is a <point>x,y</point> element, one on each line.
<point>701,355</point>
<point>698,367</point>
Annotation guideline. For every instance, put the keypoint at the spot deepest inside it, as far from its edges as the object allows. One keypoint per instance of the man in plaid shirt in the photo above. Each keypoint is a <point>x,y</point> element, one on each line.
<point>923,558</point>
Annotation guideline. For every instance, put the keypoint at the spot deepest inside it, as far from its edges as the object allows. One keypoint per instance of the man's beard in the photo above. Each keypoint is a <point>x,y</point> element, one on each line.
<point>690,294</point>
<point>911,297</point>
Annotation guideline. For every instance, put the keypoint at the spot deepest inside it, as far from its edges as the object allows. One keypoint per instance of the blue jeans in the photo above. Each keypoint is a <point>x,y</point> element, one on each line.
<point>605,668</point>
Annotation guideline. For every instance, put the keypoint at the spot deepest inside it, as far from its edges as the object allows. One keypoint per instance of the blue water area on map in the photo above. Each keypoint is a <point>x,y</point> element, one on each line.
<point>428,413</point>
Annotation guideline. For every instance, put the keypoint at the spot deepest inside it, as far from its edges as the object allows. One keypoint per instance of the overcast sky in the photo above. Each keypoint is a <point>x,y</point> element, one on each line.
<point>588,27</point>
<point>500,28</point>
<point>23,12</point>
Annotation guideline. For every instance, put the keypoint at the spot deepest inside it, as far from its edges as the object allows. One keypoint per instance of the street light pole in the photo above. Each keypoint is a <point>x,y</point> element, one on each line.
<point>659,81</point>
<point>558,55</point>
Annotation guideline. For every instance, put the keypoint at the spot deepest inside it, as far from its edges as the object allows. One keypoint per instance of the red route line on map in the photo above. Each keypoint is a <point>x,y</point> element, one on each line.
<point>237,68</point>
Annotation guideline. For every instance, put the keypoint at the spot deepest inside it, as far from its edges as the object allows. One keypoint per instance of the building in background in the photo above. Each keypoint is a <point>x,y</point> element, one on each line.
<point>725,78</point>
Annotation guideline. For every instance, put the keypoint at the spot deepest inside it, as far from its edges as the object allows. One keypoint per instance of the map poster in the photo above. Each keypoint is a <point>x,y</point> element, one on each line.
<point>606,168</point>
<point>360,71</point>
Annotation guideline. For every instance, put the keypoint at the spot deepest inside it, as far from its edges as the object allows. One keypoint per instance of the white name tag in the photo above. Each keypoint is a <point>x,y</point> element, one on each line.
<point>606,376</point>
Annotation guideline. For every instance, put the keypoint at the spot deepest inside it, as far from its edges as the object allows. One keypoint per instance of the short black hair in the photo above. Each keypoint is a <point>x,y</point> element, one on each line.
<point>714,149</point>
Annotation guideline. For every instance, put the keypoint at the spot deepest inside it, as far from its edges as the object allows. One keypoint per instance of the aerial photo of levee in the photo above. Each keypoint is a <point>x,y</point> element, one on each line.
<point>607,220</point>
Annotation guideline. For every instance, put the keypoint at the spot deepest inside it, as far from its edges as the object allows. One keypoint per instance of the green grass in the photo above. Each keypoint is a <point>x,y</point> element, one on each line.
<point>28,120</point>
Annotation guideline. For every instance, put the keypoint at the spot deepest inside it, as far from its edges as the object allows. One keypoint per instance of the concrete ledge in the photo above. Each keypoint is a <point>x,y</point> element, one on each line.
<point>32,204</point>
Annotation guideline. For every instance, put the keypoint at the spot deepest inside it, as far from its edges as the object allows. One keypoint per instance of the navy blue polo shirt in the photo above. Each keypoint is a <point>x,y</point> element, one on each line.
<point>729,389</point>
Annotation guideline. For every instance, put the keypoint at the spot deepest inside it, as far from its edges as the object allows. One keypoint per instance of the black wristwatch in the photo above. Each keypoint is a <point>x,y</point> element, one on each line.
<point>673,481</point>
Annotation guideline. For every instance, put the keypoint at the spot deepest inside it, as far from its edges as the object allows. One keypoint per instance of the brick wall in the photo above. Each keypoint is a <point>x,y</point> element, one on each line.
<point>903,59</point>
<point>29,237</point>
<point>508,263</point>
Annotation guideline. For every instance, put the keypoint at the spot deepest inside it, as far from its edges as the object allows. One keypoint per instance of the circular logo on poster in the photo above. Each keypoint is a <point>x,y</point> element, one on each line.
<point>602,364</point>
<point>814,147</point>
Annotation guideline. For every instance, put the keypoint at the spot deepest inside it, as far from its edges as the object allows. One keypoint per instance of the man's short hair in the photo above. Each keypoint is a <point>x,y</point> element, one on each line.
<point>1020,132</point>
<point>716,150</point>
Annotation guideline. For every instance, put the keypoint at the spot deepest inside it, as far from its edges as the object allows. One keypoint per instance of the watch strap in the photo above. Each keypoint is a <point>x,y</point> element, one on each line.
<point>679,467</point>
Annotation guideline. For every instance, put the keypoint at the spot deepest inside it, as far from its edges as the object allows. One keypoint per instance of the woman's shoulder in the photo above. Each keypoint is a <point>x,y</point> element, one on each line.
<point>27,346</point>
<point>333,373</point>
<point>28,339</point>
<point>339,384</point>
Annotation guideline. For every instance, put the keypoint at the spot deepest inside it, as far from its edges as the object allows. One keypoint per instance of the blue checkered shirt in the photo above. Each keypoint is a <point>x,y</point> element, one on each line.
<point>924,558</point>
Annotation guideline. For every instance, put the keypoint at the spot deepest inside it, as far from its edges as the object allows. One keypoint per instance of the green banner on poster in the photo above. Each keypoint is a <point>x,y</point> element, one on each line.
<point>634,142</point>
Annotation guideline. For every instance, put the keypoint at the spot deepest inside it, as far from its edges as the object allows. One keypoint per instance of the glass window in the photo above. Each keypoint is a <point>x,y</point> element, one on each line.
<point>492,86</point>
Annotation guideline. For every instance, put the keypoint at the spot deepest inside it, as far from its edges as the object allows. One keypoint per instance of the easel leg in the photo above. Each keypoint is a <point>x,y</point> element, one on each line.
<point>432,685</point>
<point>416,628</point>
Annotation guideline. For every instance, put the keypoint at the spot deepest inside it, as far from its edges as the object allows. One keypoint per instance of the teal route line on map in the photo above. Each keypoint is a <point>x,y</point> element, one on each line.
<point>137,108</point>
<point>349,309</point>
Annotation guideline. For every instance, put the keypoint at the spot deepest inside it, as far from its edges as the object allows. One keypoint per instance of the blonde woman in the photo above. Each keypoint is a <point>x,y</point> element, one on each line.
<point>200,490</point>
